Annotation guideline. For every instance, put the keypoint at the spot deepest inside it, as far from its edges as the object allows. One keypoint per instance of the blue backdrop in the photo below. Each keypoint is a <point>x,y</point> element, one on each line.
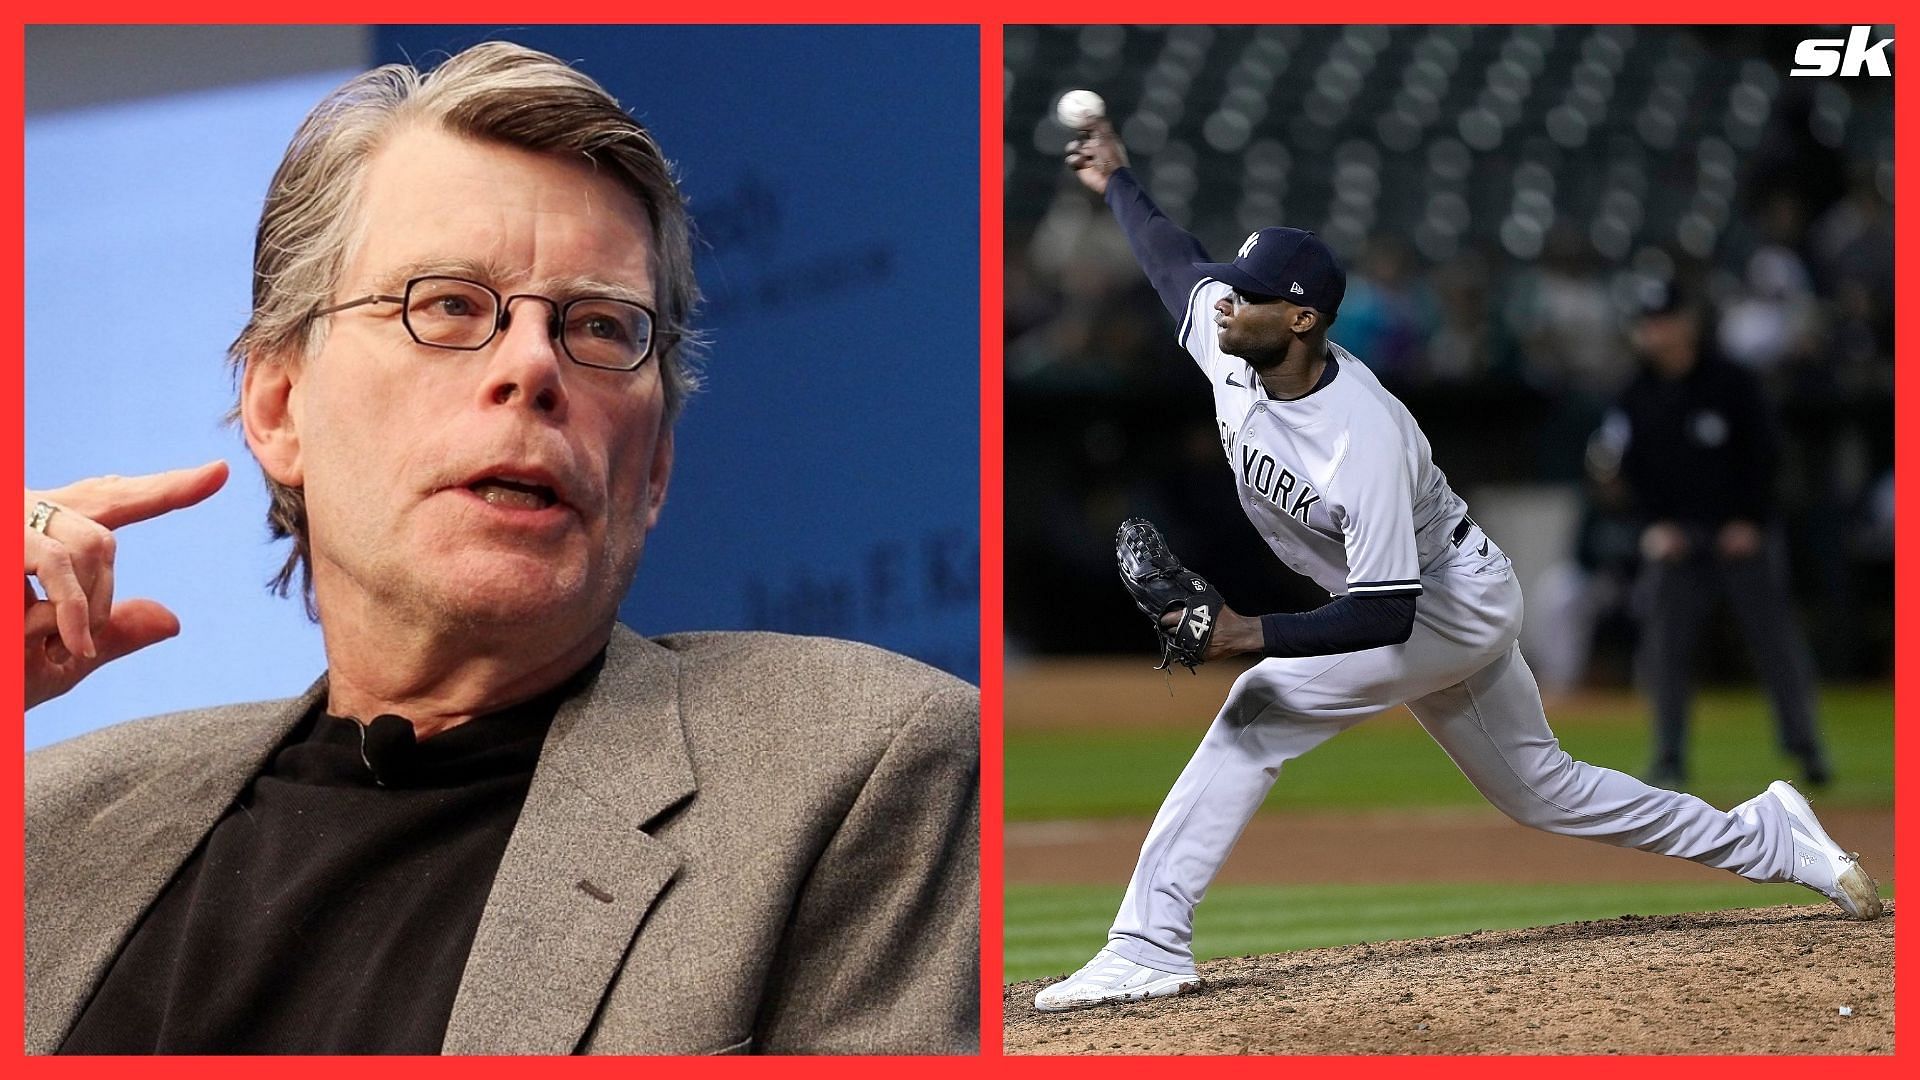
<point>825,482</point>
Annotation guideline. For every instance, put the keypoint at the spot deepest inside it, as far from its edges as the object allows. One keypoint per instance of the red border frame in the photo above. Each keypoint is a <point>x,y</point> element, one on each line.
<point>991,15</point>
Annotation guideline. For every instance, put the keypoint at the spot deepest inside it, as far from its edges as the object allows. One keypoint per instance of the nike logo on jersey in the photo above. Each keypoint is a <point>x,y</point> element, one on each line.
<point>1230,382</point>
<point>1483,547</point>
<point>1277,484</point>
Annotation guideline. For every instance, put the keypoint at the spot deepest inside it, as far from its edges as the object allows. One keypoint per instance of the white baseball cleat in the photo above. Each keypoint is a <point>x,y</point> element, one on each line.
<point>1820,864</point>
<point>1110,977</point>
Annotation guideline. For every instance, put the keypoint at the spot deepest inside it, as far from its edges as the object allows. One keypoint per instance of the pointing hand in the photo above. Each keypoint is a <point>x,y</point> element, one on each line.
<point>70,547</point>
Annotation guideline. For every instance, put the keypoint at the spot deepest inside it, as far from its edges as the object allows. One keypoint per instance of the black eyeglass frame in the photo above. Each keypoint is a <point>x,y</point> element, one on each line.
<point>503,315</point>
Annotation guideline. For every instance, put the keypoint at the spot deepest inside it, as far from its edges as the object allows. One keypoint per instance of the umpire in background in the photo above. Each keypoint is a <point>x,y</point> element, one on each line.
<point>1691,448</point>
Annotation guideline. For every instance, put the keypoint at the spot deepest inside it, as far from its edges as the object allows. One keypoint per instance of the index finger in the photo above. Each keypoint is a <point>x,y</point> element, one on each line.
<point>114,501</point>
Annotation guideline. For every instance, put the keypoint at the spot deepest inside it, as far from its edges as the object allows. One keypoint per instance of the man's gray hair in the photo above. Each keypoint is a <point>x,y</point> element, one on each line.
<point>497,92</point>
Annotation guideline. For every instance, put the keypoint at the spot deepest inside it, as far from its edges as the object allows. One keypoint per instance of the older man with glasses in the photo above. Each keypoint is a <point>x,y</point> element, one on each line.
<point>500,822</point>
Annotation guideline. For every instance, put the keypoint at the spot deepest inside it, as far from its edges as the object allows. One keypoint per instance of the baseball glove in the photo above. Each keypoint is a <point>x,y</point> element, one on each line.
<point>1159,584</point>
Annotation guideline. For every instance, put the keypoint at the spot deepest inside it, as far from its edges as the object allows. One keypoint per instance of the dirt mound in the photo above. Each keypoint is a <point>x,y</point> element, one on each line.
<point>1767,981</point>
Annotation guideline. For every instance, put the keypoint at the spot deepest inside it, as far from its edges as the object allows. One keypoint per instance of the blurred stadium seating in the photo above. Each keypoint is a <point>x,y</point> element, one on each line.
<point>1496,193</point>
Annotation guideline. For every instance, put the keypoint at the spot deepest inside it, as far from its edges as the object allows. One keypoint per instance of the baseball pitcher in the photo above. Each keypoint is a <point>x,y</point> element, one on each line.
<point>1340,482</point>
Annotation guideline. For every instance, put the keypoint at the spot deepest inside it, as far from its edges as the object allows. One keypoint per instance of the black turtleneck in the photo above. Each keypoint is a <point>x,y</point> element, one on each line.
<point>331,909</point>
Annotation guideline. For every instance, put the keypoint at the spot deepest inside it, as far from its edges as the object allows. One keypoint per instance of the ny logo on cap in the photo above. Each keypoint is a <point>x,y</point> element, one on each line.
<point>1252,239</point>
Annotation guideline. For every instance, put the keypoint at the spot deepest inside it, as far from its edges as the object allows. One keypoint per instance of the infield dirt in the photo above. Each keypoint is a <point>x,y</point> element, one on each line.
<point>1763,981</point>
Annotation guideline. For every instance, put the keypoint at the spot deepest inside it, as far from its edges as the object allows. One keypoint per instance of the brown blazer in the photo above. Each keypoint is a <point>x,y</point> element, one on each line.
<point>788,828</point>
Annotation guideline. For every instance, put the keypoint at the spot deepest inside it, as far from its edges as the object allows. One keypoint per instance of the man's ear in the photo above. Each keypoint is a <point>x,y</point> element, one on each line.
<point>267,395</point>
<point>658,476</point>
<point>1305,319</point>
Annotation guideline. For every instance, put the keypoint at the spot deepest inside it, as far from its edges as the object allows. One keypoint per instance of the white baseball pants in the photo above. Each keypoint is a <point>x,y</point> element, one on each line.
<point>1462,676</point>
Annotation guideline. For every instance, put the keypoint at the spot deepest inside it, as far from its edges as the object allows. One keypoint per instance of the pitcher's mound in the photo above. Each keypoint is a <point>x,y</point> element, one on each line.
<point>1784,980</point>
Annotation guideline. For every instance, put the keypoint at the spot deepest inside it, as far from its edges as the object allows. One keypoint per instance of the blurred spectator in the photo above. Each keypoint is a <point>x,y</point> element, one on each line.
<point>1388,314</point>
<point>1099,331</point>
<point>1852,250</point>
<point>1774,317</point>
<point>1692,447</point>
<point>1463,345</point>
<point>1561,312</point>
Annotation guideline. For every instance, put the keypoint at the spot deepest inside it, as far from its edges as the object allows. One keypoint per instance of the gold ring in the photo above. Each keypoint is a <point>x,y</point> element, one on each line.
<point>43,512</point>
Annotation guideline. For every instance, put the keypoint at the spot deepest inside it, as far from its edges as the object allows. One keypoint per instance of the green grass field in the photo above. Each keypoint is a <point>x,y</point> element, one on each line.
<point>1389,762</point>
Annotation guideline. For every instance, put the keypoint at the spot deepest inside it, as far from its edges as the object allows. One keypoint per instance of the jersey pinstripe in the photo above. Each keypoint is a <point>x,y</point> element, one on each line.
<point>1340,483</point>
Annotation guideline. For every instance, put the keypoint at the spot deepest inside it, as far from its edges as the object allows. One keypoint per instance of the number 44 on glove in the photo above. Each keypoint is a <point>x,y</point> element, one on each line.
<point>1159,584</point>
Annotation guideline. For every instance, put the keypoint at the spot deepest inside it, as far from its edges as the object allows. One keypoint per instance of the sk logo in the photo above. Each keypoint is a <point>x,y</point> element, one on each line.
<point>1252,239</point>
<point>1849,55</point>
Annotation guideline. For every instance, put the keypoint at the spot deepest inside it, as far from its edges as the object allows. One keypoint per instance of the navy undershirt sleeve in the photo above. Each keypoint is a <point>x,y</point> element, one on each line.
<point>1165,251</point>
<point>1348,624</point>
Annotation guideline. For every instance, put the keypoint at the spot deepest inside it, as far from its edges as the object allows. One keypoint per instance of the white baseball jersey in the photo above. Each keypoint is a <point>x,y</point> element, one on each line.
<point>1340,483</point>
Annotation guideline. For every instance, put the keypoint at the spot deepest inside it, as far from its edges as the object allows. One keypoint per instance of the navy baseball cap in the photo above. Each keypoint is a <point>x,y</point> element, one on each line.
<point>1292,264</point>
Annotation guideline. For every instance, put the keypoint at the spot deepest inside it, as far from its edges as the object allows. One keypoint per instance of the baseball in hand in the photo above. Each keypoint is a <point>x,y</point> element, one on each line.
<point>1078,109</point>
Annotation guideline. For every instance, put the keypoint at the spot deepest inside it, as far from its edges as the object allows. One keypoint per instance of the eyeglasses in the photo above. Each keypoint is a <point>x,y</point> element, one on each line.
<point>454,313</point>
